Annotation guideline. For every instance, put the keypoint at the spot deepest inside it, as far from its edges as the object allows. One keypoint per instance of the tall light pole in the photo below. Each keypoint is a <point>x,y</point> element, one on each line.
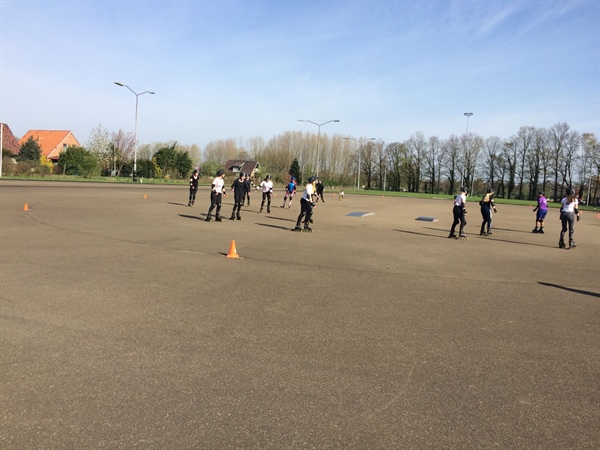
<point>318,137</point>
<point>359,142</point>
<point>137,95</point>
<point>468,114</point>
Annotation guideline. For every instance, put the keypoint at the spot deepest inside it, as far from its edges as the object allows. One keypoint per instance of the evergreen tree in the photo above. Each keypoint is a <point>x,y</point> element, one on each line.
<point>30,151</point>
<point>295,169</point>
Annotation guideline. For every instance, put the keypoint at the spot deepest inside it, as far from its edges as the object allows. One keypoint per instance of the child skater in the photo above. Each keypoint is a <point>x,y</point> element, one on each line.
<point>290,191</point>
<point>193,187</point>
<point>541,210</point>
<point>217,192</point>
<point>239,191</point>
<point>267,192</point>
<point>306,206</point>
<point>459,213</point>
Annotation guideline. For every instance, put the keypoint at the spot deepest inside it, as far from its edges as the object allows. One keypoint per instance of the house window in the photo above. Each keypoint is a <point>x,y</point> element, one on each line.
<point>64,146</point>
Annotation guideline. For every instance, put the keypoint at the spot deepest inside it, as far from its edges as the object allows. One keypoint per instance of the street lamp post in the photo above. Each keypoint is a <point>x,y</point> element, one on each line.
<point>468,114</point>
<point>318,136</point>
<point>137,95</point>
<point>359,141</point>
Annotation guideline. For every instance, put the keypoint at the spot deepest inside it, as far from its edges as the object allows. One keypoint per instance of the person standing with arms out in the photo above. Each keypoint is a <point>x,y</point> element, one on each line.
<point>217,192</point>
<point>239,191</point>
<point>487,205</point>
<point>306,205</point>
<point>541,210</point>
<point>459,212</point>
<point>193,187</point>
<point>568,212</point>
<point>290,191</point>
<point>267,191</point>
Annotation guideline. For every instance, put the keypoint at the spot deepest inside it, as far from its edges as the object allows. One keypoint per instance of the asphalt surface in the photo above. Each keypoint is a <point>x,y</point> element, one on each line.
<point>123,325</point>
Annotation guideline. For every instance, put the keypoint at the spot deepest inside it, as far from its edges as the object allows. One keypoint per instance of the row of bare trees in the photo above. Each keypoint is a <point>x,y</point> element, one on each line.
<point>549,159</point>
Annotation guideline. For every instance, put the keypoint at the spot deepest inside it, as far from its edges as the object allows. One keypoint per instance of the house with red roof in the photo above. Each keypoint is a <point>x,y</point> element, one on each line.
<point>52,142</point>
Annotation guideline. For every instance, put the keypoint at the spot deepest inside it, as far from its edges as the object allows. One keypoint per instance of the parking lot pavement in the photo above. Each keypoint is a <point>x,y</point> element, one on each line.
<point>123,324</point>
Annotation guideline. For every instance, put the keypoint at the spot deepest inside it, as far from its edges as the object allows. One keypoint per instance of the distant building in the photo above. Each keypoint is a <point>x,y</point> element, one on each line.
<point>250,168</point>
<point>9,141</point>
<point>52,142</point>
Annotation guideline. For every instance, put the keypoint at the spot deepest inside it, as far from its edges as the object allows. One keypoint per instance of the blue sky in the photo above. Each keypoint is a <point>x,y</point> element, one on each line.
<point>241,69</point>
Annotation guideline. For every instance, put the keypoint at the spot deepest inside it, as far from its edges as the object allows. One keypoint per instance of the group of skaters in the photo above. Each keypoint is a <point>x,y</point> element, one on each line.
<point>569,213</point>
<point>241,188</point>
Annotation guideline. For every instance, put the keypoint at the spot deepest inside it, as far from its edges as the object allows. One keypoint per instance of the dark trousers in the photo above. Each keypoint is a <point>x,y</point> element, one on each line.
<point>192,198</point>
<point>238,199</point>
<point>306,210</point>
<point>266,196</point>
<point>567,219</point>
<point>459,216</point>
<point>486,213</point>
<point>215,200</point>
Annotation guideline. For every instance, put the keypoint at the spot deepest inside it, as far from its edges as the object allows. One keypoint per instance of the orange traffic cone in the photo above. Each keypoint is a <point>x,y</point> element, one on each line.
<point>232,251</point>
<point>145,197</point>
<point>25,208</point>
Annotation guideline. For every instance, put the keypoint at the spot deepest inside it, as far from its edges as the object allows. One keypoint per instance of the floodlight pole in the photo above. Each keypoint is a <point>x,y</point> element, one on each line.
<point>468,114</point>
<point>135,146</point>
<point>318,137</point>
<point>359,141</point>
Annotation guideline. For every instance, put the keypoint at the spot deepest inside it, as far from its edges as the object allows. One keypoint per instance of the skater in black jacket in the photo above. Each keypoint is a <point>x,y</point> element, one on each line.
<point>193,187</point>
<point>239,191</point>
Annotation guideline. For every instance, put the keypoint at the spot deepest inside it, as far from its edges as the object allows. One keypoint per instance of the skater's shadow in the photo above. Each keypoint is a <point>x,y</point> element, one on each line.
<point>577,291</point>
<point>176,204</point>
<point>273,226</point>
<point>281,218</point>
<point>185,216</point>
<point>421,234</point>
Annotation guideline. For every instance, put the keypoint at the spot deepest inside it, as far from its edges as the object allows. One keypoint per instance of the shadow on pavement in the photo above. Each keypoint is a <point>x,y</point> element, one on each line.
<point>577,291</point>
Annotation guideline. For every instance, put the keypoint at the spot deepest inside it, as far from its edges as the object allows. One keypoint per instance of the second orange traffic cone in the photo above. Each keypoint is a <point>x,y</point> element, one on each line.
<point>25,208</point>
<point>232,251</point>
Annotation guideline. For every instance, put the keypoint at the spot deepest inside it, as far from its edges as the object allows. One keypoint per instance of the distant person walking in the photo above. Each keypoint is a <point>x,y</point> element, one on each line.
<point>248,186</point>
<point>193,187</point>
<point>320,189</point>
<point>540,213</point>
<point>217,192</point>
<point>568,213</point>
<point>459,213</point>
<point>487,205</point>
<point>267,191</point>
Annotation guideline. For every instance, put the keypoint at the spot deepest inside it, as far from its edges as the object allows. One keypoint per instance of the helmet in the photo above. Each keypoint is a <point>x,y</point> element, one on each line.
<point>570,191</point>
<point>242,174</point>
<point>541,193</point>
<point>293,178</point>
<point>490,191</point>
<point>464,189</point>
<point>268,177</point>
<point>312,179</point>
<point>195,171</point>
<point>220,173</point>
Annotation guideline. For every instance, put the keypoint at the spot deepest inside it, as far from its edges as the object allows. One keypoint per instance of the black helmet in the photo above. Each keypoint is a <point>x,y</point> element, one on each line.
<point>312,179</point>
<point>195,171</point>
<point>490,191</point>
<point>541,193</point>
<point>220,173</point>
<point>464,189</point>
<point>570,191</point>
<point>242,174</point>
<point>268,177</point>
